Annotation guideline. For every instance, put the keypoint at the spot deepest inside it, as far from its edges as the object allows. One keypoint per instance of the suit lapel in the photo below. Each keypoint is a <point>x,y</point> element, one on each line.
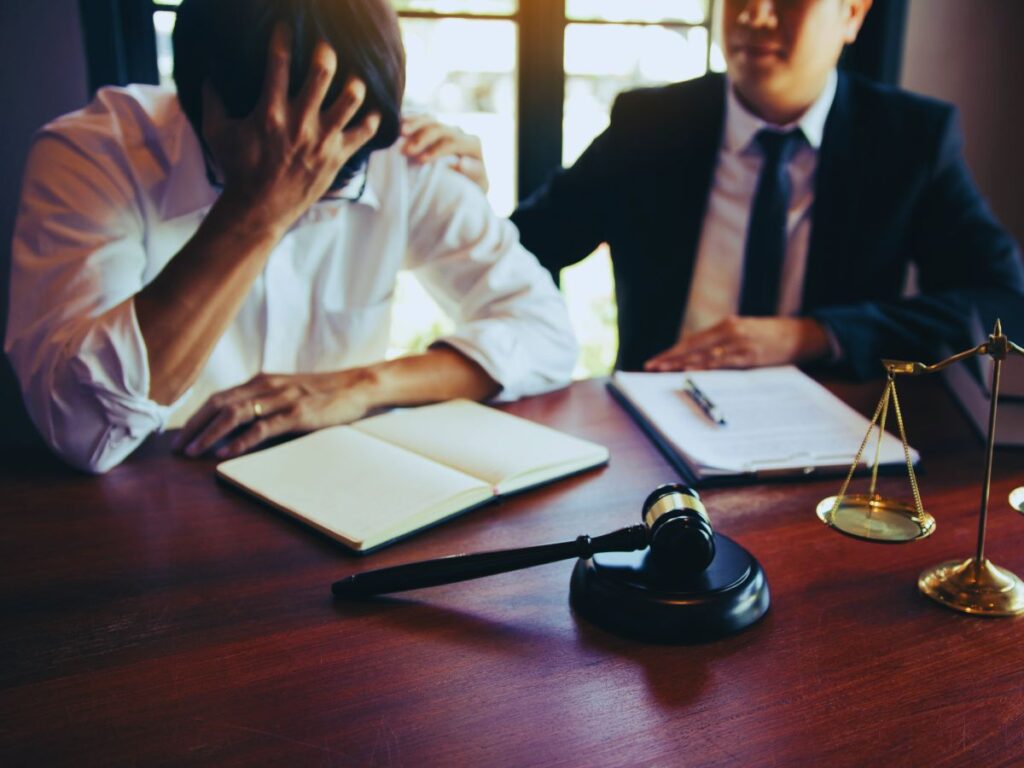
<point>835,197</point>
<point>688,188</point>
<point>704,146</point>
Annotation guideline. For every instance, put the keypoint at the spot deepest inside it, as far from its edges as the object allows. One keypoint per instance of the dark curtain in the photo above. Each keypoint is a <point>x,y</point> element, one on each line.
<point>120,43</point>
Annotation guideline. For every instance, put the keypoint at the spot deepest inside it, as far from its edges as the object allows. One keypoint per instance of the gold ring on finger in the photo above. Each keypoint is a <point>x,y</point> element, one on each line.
<point>257,410</point>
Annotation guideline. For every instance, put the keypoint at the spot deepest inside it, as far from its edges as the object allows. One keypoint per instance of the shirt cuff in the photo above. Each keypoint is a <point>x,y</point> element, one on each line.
<point>522,363</point>
<point>112,362</point>
<point>494,349</point>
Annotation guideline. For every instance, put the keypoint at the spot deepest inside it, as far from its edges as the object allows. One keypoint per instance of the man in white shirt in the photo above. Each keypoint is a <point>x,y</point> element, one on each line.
<point>229,254</point>
<point>770,216</point>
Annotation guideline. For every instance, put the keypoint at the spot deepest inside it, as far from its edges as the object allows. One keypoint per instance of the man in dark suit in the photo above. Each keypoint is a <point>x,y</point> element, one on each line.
<point>770,216</point>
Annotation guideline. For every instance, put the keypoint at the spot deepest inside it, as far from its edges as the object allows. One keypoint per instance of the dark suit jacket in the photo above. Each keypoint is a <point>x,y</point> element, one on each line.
<point>891,189</point>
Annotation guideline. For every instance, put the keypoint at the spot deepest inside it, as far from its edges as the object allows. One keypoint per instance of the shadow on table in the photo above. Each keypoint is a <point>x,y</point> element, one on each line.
<point>446,624</point>
<point>676,674</point>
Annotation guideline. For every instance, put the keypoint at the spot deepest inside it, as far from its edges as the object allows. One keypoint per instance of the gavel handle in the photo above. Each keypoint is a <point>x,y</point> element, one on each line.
<point>447,570</point>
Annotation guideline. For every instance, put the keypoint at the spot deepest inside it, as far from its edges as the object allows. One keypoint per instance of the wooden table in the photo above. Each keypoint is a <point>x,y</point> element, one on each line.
<point>152,616</point>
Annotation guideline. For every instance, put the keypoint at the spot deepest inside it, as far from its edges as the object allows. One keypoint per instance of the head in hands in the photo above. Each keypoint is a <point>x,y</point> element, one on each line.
<point>779,52</point>
<point>222,47</point>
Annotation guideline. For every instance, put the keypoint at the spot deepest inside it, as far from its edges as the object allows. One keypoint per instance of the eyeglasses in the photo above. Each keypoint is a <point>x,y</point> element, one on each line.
<point>341,193</point>
<point>344,193</point>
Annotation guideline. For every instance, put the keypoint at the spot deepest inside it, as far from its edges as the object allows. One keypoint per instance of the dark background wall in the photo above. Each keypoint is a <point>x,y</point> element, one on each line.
<point>968,52</point>
<point>42,62</point>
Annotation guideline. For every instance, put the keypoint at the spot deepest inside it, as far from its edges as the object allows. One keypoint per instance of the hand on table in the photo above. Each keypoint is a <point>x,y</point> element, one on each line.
<point>426,140</point>
<point>746,342</point>
<point>271,405</point>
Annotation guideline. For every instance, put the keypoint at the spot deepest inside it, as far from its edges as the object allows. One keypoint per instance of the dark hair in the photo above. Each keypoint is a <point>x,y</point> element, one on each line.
<point>226,42</point>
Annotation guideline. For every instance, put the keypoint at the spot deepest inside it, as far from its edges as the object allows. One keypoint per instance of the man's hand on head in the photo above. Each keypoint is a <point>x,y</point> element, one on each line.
<point>746,342</point>
<point>282,157</point>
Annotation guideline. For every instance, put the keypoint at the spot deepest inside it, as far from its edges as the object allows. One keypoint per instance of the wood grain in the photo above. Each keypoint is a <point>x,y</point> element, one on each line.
<point>154,617</point>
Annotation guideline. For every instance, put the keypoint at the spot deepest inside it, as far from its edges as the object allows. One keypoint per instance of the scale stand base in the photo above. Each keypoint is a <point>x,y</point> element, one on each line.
<point>982,590</point>
<point>623,593</point>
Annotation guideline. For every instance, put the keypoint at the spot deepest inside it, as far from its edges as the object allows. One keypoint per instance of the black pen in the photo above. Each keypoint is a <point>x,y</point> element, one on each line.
<point>703,401</point>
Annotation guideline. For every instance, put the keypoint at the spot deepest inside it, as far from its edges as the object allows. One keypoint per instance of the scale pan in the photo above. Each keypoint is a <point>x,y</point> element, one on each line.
<point>1017,499</point>
<point>875,518</point>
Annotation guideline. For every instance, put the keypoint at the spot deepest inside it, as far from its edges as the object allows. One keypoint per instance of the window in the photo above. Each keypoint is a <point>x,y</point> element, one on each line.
<point>534,79</point>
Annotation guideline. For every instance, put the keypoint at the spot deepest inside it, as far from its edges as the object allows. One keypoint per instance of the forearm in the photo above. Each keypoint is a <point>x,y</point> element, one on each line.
<point>84,387</point>
<point>276,162</point>
<point>570,215</point>
<point>440,373</point>
<point>186,309</point>
<point>920,328</point>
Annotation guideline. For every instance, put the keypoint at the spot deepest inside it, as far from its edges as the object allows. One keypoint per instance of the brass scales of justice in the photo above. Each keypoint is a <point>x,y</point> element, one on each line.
<point>975,585</point>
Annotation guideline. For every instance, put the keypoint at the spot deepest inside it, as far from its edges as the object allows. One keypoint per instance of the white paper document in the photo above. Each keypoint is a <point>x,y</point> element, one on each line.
<point>776,419</point>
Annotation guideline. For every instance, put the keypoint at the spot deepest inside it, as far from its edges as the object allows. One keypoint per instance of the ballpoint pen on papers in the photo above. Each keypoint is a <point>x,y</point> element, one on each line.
<point>703,401</point>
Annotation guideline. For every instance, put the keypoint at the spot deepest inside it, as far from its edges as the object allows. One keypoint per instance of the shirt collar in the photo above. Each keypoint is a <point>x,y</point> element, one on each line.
<point>186,188</point>
<point>741,125</point>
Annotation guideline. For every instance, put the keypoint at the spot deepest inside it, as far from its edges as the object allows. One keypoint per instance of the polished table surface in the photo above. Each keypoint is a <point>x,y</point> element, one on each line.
<point>152,616</point>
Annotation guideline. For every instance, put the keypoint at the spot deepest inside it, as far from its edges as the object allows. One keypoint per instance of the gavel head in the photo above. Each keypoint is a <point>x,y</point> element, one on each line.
<point>682,540</point>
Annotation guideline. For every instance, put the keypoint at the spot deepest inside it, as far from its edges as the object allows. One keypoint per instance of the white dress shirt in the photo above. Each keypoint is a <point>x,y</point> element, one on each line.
<point>718,273</point>
<point>112,192</point>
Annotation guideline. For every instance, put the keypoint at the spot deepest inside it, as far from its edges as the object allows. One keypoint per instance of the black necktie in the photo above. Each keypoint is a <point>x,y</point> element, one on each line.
<point>766,235</point>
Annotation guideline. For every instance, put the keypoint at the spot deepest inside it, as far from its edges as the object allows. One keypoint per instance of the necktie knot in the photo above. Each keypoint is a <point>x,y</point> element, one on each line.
<point>776,147</point>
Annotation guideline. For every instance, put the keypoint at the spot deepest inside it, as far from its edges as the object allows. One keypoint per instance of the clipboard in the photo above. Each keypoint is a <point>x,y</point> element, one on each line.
<point>643,397</point>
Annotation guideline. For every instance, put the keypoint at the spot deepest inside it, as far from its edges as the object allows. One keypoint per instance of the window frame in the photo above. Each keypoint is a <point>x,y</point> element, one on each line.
<point>121,49</point>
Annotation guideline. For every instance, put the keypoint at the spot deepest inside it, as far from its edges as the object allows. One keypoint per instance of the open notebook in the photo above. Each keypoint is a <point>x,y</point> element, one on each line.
<point>779,422</point>
<point>382,478</point>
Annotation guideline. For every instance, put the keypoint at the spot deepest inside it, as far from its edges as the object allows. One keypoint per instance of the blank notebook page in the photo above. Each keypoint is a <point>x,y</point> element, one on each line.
<point>344,481</point>
<point>481,441</point>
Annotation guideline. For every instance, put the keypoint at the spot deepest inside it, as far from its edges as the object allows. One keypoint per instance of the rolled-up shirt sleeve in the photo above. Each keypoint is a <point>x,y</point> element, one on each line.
<point>78,259</point>
<point>510,318</point>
